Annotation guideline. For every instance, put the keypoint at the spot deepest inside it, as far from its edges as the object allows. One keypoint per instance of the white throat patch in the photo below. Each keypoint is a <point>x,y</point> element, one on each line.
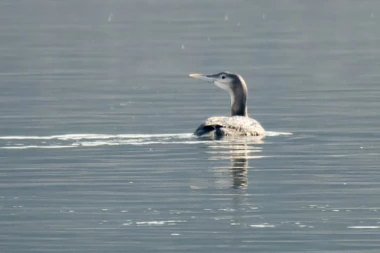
<point>225,86</point>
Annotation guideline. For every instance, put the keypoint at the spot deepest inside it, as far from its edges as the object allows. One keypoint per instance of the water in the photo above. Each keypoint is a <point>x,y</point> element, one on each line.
<point>97,111</point>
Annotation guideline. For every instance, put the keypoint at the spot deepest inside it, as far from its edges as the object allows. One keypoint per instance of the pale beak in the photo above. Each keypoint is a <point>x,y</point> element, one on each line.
<point>202,77</point>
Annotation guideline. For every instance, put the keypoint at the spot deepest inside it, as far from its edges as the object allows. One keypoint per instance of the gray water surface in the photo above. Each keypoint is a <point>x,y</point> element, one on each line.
<point>97,111</point>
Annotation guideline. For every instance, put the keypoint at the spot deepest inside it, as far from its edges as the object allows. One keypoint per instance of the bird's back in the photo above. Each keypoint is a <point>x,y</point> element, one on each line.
<point>230,126</point>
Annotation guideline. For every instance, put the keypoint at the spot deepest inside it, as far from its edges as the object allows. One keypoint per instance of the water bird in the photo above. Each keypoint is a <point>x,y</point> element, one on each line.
<point>239,124</point>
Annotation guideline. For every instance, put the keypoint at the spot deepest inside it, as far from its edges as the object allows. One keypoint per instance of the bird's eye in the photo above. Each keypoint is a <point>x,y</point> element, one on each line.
<point>223,77</point>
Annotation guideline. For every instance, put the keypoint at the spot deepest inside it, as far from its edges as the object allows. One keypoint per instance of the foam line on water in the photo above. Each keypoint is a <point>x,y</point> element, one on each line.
<point>103,143</point>
<point>36,146</point>
<point>273,133</point>
<point>96,140</point>
<point>115,136</point>
<point>95,136</point>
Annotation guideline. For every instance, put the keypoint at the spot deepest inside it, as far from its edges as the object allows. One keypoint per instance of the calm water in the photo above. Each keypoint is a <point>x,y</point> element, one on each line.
<point>97,111</point>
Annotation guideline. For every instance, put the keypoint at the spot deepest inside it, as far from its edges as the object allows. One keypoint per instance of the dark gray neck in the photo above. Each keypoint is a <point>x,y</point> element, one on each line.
<point>239,107</point>
<point>239,95</point>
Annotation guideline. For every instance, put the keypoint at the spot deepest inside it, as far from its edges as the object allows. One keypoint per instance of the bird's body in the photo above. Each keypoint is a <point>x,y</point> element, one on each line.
<point>239,124</point>
<point>230,126</point>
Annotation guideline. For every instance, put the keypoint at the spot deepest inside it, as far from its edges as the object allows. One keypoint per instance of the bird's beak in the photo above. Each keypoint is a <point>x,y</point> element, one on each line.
<point>202,77</point>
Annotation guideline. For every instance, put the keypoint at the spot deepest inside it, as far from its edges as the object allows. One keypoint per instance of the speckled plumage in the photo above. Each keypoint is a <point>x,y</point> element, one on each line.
<point>230,126</point>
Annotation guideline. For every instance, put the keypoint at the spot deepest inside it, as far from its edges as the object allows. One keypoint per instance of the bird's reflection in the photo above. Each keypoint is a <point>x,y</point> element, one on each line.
<point>239,152</point>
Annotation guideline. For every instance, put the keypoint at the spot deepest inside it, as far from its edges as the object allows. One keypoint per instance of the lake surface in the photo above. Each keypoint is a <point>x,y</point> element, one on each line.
<point>97,111</point>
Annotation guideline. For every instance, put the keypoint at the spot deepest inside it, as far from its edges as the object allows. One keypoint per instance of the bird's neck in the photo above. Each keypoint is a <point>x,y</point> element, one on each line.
<point>239,102</point>
<point>239,107</point>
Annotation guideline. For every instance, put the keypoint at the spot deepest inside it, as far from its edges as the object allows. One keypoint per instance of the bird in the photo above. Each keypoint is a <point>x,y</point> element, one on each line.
<point>239,123</point>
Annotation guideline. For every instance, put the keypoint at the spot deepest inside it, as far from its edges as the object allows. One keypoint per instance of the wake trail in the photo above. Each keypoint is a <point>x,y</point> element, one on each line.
<point>65,141</point>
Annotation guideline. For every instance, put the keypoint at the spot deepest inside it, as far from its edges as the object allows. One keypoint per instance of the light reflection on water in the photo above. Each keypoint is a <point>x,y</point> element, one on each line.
<point>238,154</point>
